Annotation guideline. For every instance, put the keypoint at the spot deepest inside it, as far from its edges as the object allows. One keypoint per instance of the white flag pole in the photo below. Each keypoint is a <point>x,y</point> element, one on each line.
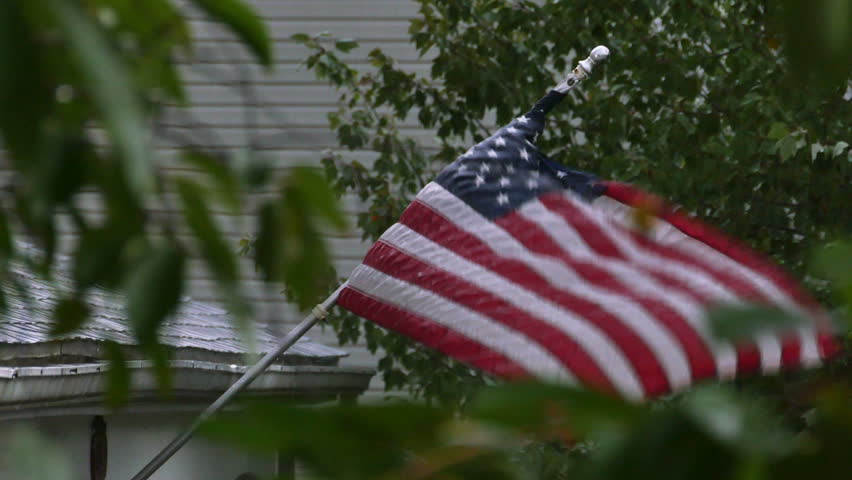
<point>319,312</point>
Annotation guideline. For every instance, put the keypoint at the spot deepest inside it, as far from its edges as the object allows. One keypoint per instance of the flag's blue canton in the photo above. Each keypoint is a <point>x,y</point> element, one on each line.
<point>505,170</point>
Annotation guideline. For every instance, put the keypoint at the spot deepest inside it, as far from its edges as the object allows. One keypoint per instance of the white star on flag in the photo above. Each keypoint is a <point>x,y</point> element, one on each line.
<point>524,154</point>
<point>523,119</point>
<point>479,180</point>
<point>492,153</point>
<point>532,183</point>
<point>512,130</point>
<point>484,168</point>
<point>504,181</point>
<point>500,142</point>
<point>502,199</point>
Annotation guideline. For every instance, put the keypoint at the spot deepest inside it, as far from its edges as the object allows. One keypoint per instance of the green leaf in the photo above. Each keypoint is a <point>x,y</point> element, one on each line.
<point>337,441</point>
<point>668,445</point>
<point>98,254</point>
<point>25,92</point>
<point>62,170</point>
<point>311,187</point>
<point>118,376</point>
<point>253,170</point>
<point>225,180</point>
<point>744,423</point>
<point>110,84</point>
<point>346,44</point>
<point>240,18</point>
<point>540,406</point>
<point>267,256</point>
<point>787,147</point>
<point>818,36</point>
<point>218,256</point>
<point>300,37</point>
<point>29,454</point>
<point>159,355</point>
<point>154,290</point>
<point>7,247</point>
<point>834,262</point>
<point>68,315</point>
<point>744,322</point>
<point>777,131</point>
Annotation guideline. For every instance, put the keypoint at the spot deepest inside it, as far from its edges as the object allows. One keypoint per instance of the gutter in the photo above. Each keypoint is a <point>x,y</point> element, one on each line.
<point>27,392</point>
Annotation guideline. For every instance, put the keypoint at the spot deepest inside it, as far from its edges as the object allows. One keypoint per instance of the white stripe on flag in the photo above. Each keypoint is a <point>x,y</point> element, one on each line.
<point>435,308</point>
<point>607,356</point>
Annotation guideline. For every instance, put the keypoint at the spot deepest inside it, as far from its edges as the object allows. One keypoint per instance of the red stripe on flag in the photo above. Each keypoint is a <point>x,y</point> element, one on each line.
<point>390,260</point>
<point>434,226</point>
<point>434,335</point>
<point>791,351</point>
<point>748,358</point>
<point>828,345</point>
<point>533,237</point>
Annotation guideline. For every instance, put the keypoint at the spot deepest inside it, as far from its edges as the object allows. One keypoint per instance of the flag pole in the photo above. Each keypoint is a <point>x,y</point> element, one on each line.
<point>318,313</point>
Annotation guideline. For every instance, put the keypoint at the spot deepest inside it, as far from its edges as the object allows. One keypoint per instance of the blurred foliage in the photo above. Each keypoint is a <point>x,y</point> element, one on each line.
<point>529,431</point>
<point>534,431</point>
<point>81,83</point>
<point>740,110</point>
<point>30,455</point>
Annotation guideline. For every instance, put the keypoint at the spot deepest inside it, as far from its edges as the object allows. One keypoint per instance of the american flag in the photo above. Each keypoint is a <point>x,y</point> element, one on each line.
<point>518,266</point>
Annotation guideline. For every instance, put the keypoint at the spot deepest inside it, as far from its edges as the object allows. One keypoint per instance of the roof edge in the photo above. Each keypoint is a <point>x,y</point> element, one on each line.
<point>84,347</point>
<point>38,391</point>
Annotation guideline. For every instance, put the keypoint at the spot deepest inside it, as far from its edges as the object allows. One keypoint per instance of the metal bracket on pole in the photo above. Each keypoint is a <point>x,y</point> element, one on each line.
<point>319,312</point>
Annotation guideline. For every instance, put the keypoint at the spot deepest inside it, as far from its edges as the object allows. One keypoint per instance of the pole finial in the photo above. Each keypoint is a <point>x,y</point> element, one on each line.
<point>598,56</point>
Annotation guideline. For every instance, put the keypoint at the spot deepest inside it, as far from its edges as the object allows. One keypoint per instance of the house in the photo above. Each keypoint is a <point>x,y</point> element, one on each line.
<point>58,386</point>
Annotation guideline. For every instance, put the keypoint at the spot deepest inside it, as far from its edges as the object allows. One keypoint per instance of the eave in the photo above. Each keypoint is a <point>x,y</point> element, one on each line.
<point>35,391</point>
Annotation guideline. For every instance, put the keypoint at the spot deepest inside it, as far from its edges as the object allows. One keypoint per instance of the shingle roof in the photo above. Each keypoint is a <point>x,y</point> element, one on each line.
<point>197,331</point>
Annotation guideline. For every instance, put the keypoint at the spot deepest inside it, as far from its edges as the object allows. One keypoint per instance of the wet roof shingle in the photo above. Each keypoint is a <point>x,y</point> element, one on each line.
<point>196,326</point>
